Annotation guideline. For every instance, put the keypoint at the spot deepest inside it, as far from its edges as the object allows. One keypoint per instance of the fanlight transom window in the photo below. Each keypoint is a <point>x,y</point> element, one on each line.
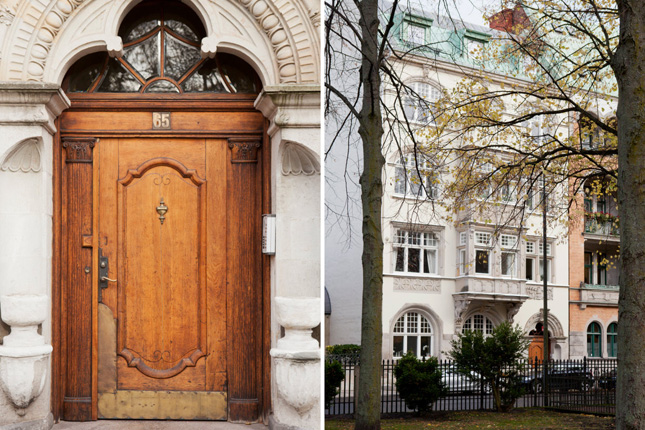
<point>412,333</point>
<point>479,323</point>
<point>161,54</point>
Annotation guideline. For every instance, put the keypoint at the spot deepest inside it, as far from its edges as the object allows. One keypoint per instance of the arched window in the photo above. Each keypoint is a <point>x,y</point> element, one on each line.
<point>612,340</point>
<point>594,346</point>
<point>417,178</point>
<point>161,54</point>
<point>418,102</point>
<point>412,333</point>
<point>478,322</point>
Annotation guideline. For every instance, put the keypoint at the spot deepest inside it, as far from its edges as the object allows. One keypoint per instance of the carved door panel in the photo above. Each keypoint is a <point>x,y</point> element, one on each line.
<point>162,318</point>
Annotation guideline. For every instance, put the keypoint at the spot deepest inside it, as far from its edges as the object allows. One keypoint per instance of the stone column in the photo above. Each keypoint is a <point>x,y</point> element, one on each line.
<point>294,115</point>
<point>27,114</point>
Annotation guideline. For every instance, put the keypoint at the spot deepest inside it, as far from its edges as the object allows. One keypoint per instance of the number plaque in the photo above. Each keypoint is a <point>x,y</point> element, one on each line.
<point>161,120</point>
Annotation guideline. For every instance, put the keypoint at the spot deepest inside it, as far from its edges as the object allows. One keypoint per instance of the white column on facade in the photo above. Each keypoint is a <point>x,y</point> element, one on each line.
<point>294,115</point>
<point>27,114</point>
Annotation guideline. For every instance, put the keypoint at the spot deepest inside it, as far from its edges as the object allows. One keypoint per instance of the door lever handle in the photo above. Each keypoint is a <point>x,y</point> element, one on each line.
<point>106,279</point>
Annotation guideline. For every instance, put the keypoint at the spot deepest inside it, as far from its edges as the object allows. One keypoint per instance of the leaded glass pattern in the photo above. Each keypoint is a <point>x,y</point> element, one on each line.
<point>161,54</point>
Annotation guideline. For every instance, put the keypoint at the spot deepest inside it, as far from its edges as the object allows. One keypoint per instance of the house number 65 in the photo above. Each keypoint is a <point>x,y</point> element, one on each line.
<point>161,120</point>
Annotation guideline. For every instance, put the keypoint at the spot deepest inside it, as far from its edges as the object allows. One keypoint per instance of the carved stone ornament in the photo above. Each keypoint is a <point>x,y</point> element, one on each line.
<point>277,30</point>
<point>461,306</point>
<point>244,150</point>
<point>298,160</point>
<point>46,34</point>
<point>24,355</point>
<point>79,149</point>
<point>25,156</point>
<point>536,292</point>
<point>6,15</point>
<point>421,285</point>
<point>512,310</point>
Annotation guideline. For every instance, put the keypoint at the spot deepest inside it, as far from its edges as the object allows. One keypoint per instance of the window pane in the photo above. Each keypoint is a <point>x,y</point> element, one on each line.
<point>398,346</point>
<point>118,79</point>
<point>400,259</point>
<point>207,78</point>
<point>399,327</point>
<point>416,34</point>
<point>478,323</point>
<point>414,255</point>
<point>425,325</point>
<point>399,180</point>
<point>425,346</point>
<point>161,86</point>
<point>412,322</point>
<point>85,71</point>
<point>144,57</point>
<point>430,262</point>
<point>529,269</point>
<point>183,21</point>
<point>412,345</point>
<point>481,261</point>
<point>179,57</point>
<point>508,264</point>
<point>139,22</point>
<point>240,75</point>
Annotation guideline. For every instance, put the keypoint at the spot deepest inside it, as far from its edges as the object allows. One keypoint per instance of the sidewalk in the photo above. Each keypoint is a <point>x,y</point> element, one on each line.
<point>155,425</point>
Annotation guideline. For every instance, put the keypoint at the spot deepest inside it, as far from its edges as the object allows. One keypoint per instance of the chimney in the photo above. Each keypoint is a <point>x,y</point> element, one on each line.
<point>510,20</point>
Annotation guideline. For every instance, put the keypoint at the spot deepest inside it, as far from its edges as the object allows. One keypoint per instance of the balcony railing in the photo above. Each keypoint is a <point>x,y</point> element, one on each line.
<point>605,228</point>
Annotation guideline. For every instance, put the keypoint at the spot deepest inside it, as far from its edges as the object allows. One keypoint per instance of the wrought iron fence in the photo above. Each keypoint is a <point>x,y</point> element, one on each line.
<point>587,385</point>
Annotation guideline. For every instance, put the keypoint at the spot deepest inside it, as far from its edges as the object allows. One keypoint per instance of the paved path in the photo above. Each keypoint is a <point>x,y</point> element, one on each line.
<point>154,425</point>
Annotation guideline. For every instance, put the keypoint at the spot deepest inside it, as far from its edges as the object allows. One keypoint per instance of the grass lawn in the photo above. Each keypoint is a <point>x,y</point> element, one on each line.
<point>518,419</point>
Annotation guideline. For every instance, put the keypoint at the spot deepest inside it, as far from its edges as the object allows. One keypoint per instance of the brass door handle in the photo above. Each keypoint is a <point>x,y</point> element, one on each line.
<point>106,279</point>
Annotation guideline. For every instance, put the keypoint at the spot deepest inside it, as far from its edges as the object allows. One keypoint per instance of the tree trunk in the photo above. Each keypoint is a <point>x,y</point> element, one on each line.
<point>629,66</point>
<point>368,411</point>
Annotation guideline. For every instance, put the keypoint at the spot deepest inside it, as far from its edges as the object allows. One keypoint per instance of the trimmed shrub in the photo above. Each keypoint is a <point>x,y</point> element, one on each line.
<point>419,382</point>
<point>334,375</point>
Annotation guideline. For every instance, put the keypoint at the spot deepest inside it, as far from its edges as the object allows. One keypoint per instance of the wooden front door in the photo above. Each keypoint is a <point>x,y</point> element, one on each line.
<point>161,243</point>
<point>162,324</point>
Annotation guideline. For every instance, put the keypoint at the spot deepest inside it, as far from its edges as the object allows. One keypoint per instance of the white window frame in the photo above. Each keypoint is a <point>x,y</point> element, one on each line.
<point>463,237</point>
<point>402,329</point>
<point>423,241</point>
<point>407,181</point>
<point>471,323</point>
<point>531,261</point>
<point>508,241</point>
<point>463,261</point>
<point>413,32</point>
<point>548,249</point>
<point>512,270</point>
<point>416,110</point>
<point>549,269</point>
<point>483,238</point>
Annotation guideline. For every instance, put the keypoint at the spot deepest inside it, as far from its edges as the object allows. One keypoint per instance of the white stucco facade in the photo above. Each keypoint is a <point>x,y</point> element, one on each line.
<point>451,293</point>
<point>40,40</point>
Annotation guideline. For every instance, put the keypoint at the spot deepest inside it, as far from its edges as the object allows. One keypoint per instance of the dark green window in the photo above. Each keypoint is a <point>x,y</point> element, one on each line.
<point>612,340</point>
<point>161,54</point>
<point>594,340</point>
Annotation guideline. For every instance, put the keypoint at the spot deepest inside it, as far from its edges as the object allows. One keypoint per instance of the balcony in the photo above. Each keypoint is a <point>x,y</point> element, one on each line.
<point>602,225</point>
<point>493,289</point>
<point>593,294</point>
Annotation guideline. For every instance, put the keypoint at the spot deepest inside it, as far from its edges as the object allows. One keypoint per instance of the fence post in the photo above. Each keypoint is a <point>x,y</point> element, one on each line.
<point>357,371</point>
